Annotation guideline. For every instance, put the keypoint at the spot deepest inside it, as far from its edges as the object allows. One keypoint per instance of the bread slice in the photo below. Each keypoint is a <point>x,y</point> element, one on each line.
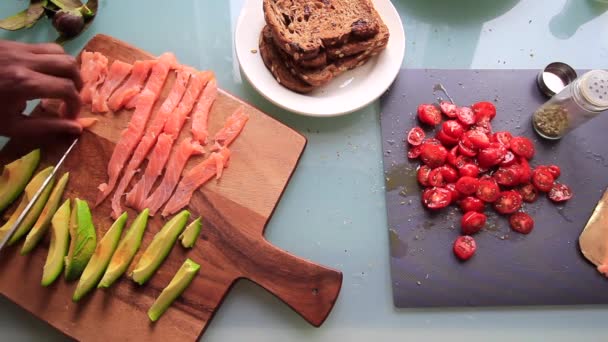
<point>302,28</point>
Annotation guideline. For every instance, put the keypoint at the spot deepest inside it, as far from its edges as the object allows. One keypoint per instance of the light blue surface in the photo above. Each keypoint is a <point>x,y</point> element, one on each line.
<point>333,211</point>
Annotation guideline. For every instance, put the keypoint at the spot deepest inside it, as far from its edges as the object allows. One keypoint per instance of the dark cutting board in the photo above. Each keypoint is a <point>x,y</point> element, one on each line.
<point>542,268</point>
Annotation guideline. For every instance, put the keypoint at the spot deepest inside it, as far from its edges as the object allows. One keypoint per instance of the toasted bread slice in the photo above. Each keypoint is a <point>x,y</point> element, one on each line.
<point>302,28</point>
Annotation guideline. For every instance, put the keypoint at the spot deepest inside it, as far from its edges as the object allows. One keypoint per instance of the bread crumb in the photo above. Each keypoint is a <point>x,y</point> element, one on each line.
<point>254,51</point>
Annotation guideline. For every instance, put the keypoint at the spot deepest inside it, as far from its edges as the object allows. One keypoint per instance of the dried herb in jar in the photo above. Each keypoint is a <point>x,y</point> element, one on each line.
<point>551,121</point>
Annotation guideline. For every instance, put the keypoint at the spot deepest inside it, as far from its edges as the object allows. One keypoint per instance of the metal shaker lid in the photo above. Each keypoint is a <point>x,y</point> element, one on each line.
<point>555,77</point>
<point>594,88</point>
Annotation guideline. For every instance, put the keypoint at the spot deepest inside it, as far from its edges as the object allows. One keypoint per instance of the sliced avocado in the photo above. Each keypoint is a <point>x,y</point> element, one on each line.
<point>44,220</point>
<point>83,240</point>
<point>101,258</point>
<point>126,250</point>
<point>15,177</point>
<point>60,240</point>
<point>159,248</point>
<point>178,284</point>
<point>191,233</point>
<point>32,215</point>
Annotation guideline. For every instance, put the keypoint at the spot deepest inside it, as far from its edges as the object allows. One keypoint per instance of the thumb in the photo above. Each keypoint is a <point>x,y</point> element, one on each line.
<point>25,126</point>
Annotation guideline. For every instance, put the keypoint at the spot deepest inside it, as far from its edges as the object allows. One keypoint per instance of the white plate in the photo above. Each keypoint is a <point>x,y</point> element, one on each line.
<point>344,94</point>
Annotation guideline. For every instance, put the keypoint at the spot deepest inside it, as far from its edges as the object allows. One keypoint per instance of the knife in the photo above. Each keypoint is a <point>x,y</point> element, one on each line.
<point>10,232</point>
<point>594,238</point>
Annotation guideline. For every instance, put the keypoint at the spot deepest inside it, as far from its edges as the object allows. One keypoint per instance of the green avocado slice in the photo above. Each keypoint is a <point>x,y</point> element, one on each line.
<point>15,177</point>
<point>32,215</point>
<point>159,248</point>
<point>125,251</point>
<point>83,240</point>
<point>189,236</point>
<point>100,259</point>
<point>44,220</point>
<point>176,287</point>
<point>60,239</point>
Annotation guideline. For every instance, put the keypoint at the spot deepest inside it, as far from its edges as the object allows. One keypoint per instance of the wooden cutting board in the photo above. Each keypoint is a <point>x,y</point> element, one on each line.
<point>235,210</point>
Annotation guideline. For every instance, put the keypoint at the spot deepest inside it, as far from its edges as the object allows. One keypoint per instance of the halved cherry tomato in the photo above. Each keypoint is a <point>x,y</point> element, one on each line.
<point>436,178</point>
<point>555,171</point>
<point>491,155</point>
<point>449,173</point>
<point>478,138</point>
<point>429,114</point>
<point>465,115</point>
<point>448,108</point>
<point>433,155</point>
<point>452,128</point>
<point>455,194</point>
<point>414,152</point>
<point>488,190</point>
<point>484,111</point>
<point>472,222</point>
<point>509,159</point>
<point>469,169</point>
<point>423,175</point>
<point>542,179</point>
<point>528,193</point>
<point>431,141</point>
<point>507,176</point>
<point>466,150</point>
<point>503,138</point>
<point>445,139</point>
<point>462,160</point>
<point>415,136</point>
<point>467,185</point>
<point>522,146</point>
<point>508,202</point>
<point>436,198</point>
<point>471,203</point>
<point>560,193</point>
<point>521,223</point>
<point>452,155</point>
<point>464,247</point>
<point>525,171</point>
<point>484,126</point>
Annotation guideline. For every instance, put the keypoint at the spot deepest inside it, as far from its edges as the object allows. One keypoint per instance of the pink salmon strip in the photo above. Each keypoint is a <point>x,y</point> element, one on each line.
<point>232,128</point>
<point>119,70</point>
<point>93,70</point>
<point>132,86</point>
<point>131,136</point>
<point>147,141</point>
<point>194,179</point>
<point>200,114</point>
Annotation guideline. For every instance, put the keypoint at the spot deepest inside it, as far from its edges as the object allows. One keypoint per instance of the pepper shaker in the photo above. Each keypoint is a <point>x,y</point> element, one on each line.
<point>580,101</point>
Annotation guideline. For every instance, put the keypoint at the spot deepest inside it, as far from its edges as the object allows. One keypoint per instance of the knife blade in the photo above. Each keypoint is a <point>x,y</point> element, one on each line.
<point>593,241</point>
<point>25,211</point>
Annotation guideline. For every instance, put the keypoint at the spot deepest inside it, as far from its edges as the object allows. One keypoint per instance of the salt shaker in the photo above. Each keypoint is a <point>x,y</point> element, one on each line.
<point>581,100</point>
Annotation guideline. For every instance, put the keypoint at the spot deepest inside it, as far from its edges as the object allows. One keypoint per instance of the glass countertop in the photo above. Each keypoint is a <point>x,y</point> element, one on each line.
<point>333,211</point>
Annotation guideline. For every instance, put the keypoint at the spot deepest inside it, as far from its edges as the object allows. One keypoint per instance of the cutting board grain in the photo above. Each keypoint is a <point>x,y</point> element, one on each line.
<point>235,210</point>
<point>542,268</point>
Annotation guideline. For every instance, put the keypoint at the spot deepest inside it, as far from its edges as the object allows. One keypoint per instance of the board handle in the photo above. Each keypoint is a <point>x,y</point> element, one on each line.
<point>308,288</point>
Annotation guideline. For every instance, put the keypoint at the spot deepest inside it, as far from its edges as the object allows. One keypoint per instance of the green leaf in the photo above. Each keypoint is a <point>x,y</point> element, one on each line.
<point>90,7</point>
<point>26,18</point>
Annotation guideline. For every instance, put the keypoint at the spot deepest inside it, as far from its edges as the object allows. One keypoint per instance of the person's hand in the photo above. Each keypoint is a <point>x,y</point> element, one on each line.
<point>37,71</point>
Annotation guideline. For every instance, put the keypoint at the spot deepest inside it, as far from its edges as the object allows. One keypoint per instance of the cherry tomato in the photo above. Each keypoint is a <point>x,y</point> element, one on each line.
<point>542,179</point>
<point>484,111</point>
<point>436,198</point>
<point>503,138</point>
<point>432,141</point>
<point>469,169</point>
<point>423,175</point>
<point>462,160</point>
<point>433,155</point>
<point>488,190</point>
<point>448,108</point>
<point>522,146</point>
<point>436,178</point>
<point>465,115</point>
<point>449,173</point>
<point>528,193</point>
<point>507,176</point>
<point>491,155</point>
<point>484,126</point>
<point>471,203</point>
<point>472,222</point>
<point>429,114</point>
<point>464,247</point>
<point>467,185</point>
<point>560,193</point>
<point>445,139</point>
<point>509,159</point>
<point>455,194</point>
<point>452,128</point>
<point>555,171</point>
<point>525,171</point>
<point>521,223</point>
<point>415,136</point>
<point>478,138</point>
<point>466,150</point>
<point>414,152</point>
<point>508,202</point>
<point>452,155</point>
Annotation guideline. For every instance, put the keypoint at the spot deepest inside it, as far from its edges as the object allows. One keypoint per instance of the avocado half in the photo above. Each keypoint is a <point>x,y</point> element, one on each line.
<point>15,177</point>
<point>83,240</point>
<point>60,240</point>
<point>176,287</point>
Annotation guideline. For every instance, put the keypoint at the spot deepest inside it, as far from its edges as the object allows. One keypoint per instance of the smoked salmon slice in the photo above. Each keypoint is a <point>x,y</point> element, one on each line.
<point>232,127</point>
<point>132,86</point>
<point>171,101</point>
<point>194,179</point>
<point>176,164</point>
<point>119,70</point>
<point>131,136</point>
<point>200,114</point>
<point>93,70</point>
